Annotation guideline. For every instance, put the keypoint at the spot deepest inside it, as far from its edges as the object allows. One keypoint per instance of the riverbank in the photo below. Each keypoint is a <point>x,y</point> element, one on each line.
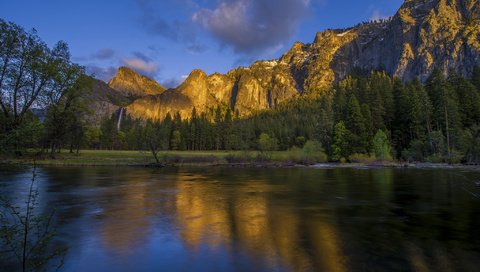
<point>200,159</point>
<point>146,159</point>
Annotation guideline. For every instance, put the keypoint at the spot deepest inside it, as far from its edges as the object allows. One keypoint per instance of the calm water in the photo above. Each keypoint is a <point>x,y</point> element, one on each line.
<point>128,219</point>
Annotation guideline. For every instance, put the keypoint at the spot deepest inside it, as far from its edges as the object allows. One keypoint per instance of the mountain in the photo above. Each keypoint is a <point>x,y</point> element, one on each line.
<point>421,36</point>
<point>104,102</point>
<point>131,84</point>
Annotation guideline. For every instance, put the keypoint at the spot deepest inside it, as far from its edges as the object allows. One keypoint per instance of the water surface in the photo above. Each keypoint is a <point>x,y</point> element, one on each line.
<point>223,219</point>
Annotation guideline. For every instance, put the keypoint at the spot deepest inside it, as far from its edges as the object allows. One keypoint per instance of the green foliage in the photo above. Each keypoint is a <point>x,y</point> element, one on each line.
<point>32,73</point>
<point>300,141</point>
<point>156,135</point>
<point>424,122</point>
<point>66,116</point>
<point>381,146</point>
<point>416,152</point>
<point>176,140</point>
<point>313,152</point>
<point>476,77</point>
<point>437,145</point>
<point>267,143</point>
<point>340,142</point>
<point>355,123</point>
<point>470,145</point>
<point>17,140</point>
<point>92,136</point>
<point>446,115</point>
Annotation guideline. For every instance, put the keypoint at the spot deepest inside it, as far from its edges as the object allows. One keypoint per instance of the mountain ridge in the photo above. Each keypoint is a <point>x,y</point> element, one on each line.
<point>131,84</point>
<point>421,36</point>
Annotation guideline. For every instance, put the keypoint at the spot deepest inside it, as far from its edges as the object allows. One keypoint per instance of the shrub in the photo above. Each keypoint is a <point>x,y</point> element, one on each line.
<point>416,152</point>
<point>381,146</point>
<point>313,152</point>
<point>267,143</point>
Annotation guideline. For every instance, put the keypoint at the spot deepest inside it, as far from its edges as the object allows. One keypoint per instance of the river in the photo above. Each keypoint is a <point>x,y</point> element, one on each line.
<point>231,219</point>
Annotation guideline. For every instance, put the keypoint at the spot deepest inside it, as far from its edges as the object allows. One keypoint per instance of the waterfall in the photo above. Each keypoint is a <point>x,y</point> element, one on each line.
<point>119,120</point>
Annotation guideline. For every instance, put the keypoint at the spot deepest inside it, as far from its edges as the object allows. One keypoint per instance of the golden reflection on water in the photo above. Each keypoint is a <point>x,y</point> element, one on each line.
<point>327,246</point>
<point>133,208</point>
<point>202,213</point>
<point>268,229</point>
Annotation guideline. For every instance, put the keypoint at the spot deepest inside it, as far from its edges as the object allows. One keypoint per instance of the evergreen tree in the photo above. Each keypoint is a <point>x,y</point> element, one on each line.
<point>402,122</point>
<point>227,128</point>
<point>355,123</point>
<point>176,140</point>
<point>340,146</point>
<point>470,144</point>
<point>476,77</point>
<point>469,97</point>
<point>446,116</point>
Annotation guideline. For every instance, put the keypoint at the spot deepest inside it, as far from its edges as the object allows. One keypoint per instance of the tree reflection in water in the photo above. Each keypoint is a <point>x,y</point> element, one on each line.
<point>262,219</point>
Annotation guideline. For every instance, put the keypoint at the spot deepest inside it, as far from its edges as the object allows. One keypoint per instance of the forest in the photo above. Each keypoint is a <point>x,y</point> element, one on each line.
<point>437,121</point>
<point>368,114</point>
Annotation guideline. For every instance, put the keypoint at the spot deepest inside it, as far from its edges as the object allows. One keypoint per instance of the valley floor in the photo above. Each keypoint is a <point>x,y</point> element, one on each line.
<point>198,158</point>
<point>145,158</point>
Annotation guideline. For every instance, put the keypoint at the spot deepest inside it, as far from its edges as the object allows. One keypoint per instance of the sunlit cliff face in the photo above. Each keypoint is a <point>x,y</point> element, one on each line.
<point>422,36</point>
<point>131,84</point>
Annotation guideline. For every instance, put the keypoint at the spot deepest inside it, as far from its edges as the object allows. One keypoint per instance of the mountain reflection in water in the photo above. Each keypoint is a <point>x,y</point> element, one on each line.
<point>260,219</point>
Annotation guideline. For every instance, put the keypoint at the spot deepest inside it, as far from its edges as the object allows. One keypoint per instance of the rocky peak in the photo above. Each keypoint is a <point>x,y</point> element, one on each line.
<point>421,36</point>
<point>134,85</point>
<point>196,74</point>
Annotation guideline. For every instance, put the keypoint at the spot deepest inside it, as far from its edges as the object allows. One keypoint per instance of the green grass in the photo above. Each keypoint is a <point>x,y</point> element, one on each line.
<point>137,158</point>
<point>121,158</point>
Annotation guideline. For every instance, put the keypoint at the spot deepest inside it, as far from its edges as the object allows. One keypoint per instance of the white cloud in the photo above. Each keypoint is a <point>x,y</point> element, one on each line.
<point>253,25</point>
<point>142,66</point>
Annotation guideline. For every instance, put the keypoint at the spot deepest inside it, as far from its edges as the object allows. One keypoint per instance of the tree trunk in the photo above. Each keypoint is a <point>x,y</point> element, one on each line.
<point>154,153</point>
<point>53,149</point>
<point>448,132</point>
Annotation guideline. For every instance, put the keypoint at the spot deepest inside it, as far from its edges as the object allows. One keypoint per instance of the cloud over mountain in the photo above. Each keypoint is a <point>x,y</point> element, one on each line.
<point>252,25</point>
<point>143,66</point>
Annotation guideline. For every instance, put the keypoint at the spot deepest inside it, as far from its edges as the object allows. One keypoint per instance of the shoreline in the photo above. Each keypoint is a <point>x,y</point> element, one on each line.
<point>205,159</point>
<point>112,162</point>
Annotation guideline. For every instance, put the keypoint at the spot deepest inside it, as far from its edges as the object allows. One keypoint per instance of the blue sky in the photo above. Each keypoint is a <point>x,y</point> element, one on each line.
<point>166,39</point>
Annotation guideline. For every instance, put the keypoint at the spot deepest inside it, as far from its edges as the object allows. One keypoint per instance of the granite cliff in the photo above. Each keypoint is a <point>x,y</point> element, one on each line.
<point>421,36</point>
<point>130,84</point>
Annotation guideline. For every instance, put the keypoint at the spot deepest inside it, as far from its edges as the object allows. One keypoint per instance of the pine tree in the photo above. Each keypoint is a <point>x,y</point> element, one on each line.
<point>469,97</point>
<point>420,111</point>
<point>340,146</point>
<point>367,116</point>
<point>228,137</point>
<point>355,123</point>
<point>446,115</point>
<point>476,77</point>
<point>402,122</point>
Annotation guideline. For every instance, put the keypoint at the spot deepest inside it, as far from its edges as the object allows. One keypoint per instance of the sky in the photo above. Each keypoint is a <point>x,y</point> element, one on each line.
<point>167,39</point>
